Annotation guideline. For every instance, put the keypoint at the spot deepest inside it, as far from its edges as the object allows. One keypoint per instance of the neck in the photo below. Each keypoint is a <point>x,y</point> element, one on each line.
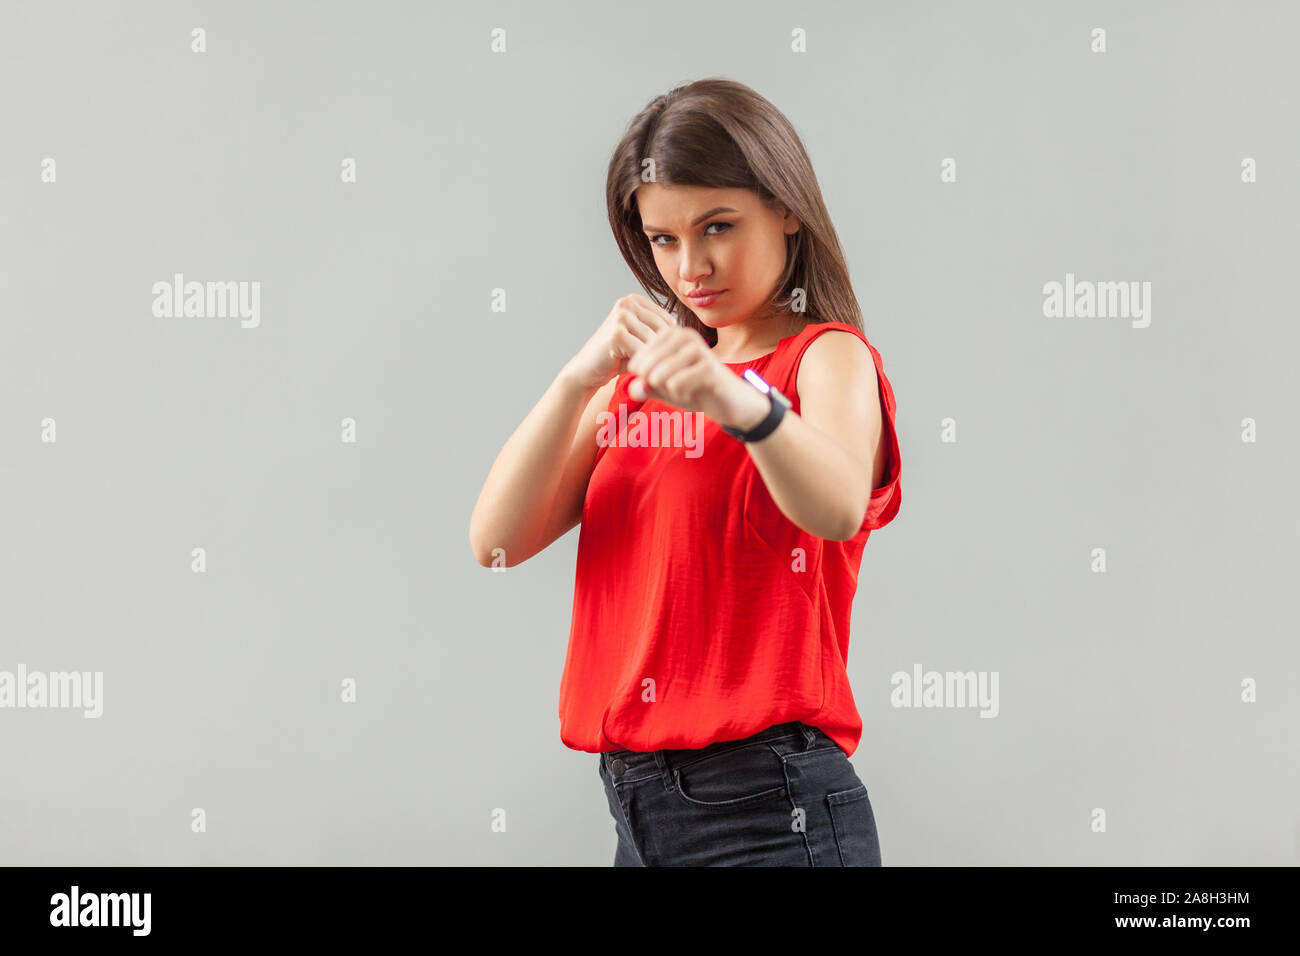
<point>753,337</point>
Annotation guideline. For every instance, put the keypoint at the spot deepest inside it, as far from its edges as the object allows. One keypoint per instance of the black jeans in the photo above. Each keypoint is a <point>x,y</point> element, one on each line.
<point>786,796</point>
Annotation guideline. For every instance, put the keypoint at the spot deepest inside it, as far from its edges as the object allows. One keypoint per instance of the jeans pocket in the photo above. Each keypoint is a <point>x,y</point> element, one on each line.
<point>734,780</point>
<point>855,827</point>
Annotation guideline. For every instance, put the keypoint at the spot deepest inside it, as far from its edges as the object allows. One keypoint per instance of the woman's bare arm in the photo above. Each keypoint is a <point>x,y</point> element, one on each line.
<point>535,489</point>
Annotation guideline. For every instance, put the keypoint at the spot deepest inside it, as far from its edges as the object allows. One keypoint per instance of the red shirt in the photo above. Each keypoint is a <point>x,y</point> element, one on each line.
<point>701,613</point>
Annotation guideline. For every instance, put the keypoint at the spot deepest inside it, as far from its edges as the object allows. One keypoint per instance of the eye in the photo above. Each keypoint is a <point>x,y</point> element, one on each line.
<point>726,226</point>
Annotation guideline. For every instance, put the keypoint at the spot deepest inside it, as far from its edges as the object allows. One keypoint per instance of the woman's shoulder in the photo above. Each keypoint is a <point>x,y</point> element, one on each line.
<point>843,344</point>
<point>814,328</point>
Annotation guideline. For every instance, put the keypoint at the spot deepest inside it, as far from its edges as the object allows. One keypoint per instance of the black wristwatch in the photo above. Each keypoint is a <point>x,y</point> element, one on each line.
<point>768,425</point>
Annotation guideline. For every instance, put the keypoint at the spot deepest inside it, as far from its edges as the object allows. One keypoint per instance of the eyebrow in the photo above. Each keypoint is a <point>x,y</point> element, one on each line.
<point>698,219</point>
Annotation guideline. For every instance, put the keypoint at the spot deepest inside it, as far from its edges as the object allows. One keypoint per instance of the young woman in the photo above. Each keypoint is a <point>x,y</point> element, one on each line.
<point>727,454</point>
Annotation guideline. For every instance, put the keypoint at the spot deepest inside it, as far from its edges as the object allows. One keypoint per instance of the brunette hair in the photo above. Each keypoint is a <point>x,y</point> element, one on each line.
<point>719,133</point>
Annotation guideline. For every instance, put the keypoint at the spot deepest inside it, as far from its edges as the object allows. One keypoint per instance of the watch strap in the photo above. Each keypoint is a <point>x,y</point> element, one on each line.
<point>778,404</point>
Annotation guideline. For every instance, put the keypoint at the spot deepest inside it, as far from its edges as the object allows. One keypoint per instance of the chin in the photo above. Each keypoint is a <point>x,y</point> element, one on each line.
<point>713,318</point>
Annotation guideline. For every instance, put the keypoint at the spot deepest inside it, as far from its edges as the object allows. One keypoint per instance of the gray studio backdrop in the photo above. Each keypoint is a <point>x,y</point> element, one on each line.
<point>254,525</point>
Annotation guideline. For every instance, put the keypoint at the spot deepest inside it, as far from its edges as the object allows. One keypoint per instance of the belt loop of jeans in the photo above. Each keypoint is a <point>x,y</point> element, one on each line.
<point>809,736</point>
<point>667,771</point>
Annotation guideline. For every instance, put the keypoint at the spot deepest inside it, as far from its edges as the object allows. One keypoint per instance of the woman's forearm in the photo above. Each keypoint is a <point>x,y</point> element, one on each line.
<point>816,483</point>
<point>518,496</point>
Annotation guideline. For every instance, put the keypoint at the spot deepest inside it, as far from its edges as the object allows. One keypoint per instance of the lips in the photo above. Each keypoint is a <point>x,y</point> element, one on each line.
<point>704,297</point>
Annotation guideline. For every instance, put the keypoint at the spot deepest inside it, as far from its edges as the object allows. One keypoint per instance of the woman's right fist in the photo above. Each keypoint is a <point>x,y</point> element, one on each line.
<point>632,322</point>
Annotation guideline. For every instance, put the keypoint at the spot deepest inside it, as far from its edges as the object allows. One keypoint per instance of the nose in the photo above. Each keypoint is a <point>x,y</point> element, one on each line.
<point>694,265</point>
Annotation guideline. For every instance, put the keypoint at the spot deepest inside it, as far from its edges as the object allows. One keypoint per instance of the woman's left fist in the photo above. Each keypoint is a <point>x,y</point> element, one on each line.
<point>677,368</point>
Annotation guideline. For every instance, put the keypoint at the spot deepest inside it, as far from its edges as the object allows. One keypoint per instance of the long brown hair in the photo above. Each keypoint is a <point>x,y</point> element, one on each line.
<point>721,134</point>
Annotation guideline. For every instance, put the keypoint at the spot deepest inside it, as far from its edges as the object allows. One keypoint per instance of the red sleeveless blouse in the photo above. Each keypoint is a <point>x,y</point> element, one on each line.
<point>701,613</point>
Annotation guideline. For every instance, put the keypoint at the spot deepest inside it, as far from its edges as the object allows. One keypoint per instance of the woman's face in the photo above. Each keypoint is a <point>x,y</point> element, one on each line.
<point>724,240</point>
